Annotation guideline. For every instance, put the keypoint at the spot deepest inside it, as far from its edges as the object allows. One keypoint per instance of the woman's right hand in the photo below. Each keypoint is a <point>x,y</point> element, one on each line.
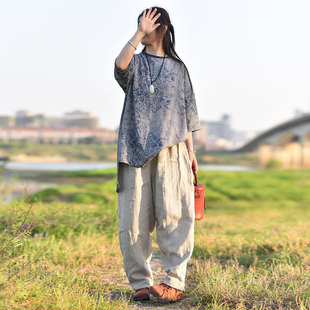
<point>146,24</point>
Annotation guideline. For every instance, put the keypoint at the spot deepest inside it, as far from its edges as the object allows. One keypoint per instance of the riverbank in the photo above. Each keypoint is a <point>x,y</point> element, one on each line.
<point>20,150</point>
<point>35,152</point>
<point>39,176</point>
<point>252,249</point>
<point>37,159</point>
<point>14,182</point>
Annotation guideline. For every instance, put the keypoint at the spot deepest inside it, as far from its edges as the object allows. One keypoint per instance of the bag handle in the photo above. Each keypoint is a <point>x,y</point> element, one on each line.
<point>195,175</point>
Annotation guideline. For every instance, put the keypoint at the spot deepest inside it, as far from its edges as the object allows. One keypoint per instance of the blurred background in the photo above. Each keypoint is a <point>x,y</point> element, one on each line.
<point>249,62</point>
<point>60,109</point>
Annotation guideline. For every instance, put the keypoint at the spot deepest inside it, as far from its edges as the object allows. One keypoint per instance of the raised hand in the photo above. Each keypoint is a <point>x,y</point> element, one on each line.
<point>146,24</point>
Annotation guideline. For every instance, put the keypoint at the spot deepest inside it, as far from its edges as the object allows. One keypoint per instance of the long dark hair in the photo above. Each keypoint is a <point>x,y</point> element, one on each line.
<point>169,38</point>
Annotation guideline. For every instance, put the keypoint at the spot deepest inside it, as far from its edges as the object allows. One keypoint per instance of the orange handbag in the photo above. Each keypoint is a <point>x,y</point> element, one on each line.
<point>200,202</point>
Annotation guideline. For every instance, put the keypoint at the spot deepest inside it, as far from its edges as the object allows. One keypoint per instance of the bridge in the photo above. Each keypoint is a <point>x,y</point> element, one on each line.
<point>289,142</point>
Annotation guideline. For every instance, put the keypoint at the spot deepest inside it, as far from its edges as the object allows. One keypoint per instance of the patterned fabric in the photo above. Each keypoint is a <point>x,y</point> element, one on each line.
<point>152,122</point>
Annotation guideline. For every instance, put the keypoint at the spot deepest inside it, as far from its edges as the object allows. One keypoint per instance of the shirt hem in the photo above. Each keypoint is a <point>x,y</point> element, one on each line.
<point>144,164</point>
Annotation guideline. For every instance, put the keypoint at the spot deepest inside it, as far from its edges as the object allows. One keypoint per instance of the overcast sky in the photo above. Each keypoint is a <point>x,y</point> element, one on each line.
<point>250,59</point>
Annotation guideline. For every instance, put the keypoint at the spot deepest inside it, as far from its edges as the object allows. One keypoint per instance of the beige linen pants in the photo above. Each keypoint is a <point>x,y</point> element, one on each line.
<point>159,194</point>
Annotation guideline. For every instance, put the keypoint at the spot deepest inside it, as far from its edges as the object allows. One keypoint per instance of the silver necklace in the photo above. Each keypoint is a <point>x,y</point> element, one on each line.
<point>152,90</point>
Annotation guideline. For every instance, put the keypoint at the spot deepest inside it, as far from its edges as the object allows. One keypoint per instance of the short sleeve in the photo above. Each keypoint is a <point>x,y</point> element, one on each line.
<point>123,77</point>
<point>192,119</point>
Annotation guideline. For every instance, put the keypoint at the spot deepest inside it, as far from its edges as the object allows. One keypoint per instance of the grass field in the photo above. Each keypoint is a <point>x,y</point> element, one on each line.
<point>252,249</point>
<point>107,152</point>
<point>73,152</point>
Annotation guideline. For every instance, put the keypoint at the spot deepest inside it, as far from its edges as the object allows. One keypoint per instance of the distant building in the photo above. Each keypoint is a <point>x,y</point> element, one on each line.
<point>82,127</point>
<point>24,118</point>
<point>59,135</point>
<point>200,137</point>
<point>218,133</point>
<point>6,121</point>
<point>80,119</point>
<point>221,128</point>
<point>74,127</point>
<point>24,113</point>
<point>73,119</point>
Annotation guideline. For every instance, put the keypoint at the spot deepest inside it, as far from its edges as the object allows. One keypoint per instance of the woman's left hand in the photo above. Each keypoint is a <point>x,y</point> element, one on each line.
<point>193,161</point>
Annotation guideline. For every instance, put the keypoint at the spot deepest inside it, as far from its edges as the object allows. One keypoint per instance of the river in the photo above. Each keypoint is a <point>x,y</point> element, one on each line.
<point>16,176</point>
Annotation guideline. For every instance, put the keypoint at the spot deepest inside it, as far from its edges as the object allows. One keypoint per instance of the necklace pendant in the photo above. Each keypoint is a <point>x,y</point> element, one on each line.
<point>152,89</point>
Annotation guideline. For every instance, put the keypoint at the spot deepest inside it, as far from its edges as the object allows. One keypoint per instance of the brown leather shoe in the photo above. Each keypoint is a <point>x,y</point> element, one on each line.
<point>166,292</point>
<point>142,294</point>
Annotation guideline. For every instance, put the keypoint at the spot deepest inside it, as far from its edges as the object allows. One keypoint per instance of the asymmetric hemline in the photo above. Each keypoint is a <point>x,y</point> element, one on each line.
<point>152,122</point>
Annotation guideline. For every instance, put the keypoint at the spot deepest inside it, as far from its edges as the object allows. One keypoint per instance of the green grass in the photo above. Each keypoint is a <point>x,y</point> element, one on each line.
<point>107,152</point>
<point>80,152</point>
<point>107,173</point>
<point>221,157</point>
<point>252,249</point>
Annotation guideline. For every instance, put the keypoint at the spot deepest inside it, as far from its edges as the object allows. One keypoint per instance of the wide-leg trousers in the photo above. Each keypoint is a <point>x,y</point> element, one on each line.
<point>161,195</point>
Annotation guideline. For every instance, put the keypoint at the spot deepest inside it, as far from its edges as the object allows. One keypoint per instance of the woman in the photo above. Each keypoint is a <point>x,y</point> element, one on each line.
<point>155,158</point>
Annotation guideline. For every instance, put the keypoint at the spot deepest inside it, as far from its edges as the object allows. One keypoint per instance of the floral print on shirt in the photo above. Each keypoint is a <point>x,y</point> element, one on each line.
<point>151,122</point>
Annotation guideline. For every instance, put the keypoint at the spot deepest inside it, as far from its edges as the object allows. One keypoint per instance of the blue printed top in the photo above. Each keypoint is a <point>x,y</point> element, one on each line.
<point>151,122</point>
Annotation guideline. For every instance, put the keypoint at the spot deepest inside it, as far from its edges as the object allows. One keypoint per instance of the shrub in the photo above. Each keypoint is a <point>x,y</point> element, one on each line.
<point>272,163</point>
